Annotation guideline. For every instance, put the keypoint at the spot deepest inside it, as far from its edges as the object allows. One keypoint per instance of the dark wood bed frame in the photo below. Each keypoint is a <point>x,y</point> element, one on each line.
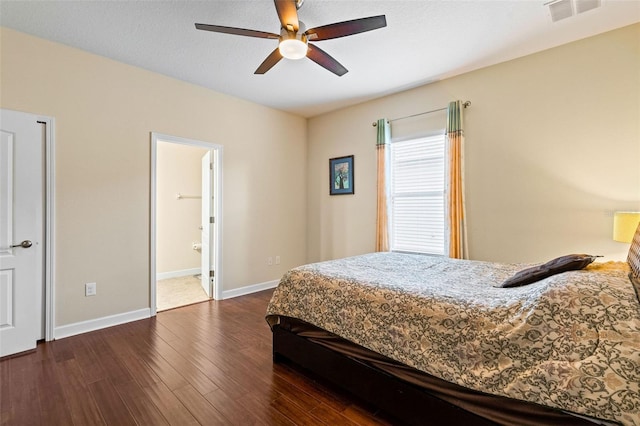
<point>406,402</point>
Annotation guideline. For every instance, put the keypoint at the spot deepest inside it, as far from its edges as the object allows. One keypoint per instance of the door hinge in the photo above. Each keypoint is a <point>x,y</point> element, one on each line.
<point>212,274</point>
<point>210,166</point>
<point>212,219</point>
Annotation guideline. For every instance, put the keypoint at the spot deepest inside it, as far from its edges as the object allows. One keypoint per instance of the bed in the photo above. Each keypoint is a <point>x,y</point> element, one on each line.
<point>431,339</point>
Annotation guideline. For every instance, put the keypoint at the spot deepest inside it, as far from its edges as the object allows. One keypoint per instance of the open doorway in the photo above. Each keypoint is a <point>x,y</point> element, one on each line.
<point>185,237</point>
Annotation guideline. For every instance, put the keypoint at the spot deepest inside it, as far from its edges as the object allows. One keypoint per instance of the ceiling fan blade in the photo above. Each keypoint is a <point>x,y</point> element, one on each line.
<point>325,60</point>
<point>346,28</point>
<point>288,14</point>
<point>236,31</point>
<point>273,58</point>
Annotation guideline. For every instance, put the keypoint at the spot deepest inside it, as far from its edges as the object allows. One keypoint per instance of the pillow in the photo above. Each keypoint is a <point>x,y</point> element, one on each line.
<point>634,254</point>
<point>570,262</point>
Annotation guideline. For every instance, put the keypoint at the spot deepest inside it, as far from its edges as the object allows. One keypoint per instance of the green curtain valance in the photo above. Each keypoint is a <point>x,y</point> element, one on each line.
<point>384,131</point>
<point>454,117</point>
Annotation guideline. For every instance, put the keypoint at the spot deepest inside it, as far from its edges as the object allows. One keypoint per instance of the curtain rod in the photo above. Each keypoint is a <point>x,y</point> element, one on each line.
<point>464,104</point>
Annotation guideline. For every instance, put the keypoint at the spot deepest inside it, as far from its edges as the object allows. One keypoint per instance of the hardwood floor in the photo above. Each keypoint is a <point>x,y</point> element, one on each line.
<point>207,364</point>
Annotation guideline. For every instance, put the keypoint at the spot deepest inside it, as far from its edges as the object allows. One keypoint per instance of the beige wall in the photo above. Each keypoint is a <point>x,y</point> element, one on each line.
<point>179,171</point>
<point>552,147</point>
<point>104,112</point>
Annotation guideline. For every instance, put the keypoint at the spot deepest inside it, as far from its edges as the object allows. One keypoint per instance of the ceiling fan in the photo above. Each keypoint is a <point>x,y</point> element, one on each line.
<point>294,37</point>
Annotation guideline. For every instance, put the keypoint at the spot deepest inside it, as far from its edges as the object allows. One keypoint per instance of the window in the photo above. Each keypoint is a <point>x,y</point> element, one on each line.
<point>417,202</point>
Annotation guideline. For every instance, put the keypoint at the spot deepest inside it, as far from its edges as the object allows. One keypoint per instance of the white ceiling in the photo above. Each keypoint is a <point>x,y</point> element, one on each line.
<point>424,41</point>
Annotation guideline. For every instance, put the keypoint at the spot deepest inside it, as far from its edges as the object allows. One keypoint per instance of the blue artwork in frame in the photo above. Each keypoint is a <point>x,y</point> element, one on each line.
<point>341,175</point>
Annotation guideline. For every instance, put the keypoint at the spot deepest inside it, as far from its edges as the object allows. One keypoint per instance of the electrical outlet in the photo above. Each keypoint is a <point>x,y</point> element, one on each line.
<point>90,289</point>
<point>270,261</point>
<point>277,260</point>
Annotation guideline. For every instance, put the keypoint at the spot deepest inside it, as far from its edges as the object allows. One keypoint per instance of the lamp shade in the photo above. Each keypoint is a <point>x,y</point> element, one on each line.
<point>625,225</point>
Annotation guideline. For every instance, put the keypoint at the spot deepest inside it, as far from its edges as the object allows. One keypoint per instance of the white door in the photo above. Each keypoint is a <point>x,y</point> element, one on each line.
<point>206,254</point>
<point>21,230</point>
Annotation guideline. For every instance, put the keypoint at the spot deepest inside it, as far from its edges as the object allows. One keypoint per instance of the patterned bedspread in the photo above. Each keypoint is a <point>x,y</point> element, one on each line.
<point>571,341</point>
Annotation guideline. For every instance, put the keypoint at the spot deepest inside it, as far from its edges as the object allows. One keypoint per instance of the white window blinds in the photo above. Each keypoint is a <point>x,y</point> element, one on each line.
<point>417,222</point>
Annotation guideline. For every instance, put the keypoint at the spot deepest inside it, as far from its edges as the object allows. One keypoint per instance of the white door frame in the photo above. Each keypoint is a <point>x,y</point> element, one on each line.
<point>49,208</point>
<point>48,314</point>
<point>216,209</point>
<point>206,210</point>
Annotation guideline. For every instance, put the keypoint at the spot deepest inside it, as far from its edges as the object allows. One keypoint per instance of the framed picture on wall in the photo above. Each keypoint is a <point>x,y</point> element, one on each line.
<point>341,175</point>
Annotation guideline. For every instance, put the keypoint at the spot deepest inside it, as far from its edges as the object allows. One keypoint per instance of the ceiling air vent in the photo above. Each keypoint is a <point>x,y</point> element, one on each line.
<point>584,5</point>
<point>560,9</point>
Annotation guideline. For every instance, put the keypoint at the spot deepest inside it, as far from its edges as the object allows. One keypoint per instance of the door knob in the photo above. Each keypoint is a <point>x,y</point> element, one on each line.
<point>24,244</point>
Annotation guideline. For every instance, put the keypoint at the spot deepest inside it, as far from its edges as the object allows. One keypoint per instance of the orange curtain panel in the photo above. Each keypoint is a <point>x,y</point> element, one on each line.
<point>457,238</point>
<point>382,230</point>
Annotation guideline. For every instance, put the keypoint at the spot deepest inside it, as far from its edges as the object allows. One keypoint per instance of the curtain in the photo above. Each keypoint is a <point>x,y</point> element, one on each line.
<point>457,238</point>
<point>382,229</point>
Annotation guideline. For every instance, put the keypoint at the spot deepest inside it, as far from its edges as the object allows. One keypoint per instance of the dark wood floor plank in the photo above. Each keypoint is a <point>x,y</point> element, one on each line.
<point>107,358</point>
<point>63,349</point>
<point>24,404</point>
<point>169,405</point>
<point>50,393</point>
<point>238,412</point>
<point>142,373</point>
<point>235,383</point>
<point>6,414</point>
<point>82,406</point>
<point>88,361</point>
<point>294,412</point>
<point>186,366</point>
<point>43,352</point>
<point>330,416</point>
<point>209,363</point>
<point>265,400</point>
<point>164,332</point>
<point>140,405</point>
<point>303,399</point>
<point>337,401</point>
<point>111,406</point>
<point>134,359</point>
<point>165,371</point>
<point>141,343</point>
<point>199,407</point>
<point>363,417</point>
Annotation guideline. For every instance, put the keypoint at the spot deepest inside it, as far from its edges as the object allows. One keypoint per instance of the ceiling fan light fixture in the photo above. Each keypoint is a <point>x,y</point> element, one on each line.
<point>293,45</point>
<point>293,38</point>
<point>293,48</point>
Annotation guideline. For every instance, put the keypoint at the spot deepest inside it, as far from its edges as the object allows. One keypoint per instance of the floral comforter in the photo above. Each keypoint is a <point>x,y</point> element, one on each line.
<point>570,341</point>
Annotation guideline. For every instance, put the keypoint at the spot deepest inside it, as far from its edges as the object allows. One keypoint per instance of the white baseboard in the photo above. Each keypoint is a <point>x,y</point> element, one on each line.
<point>100,323</point>
<point>228,294</point>
<point>176,274</point>
<point>109,321</point>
